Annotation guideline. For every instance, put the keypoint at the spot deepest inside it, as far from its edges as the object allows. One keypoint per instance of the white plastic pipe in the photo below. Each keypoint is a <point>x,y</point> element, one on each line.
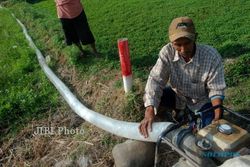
<point>120,128</point>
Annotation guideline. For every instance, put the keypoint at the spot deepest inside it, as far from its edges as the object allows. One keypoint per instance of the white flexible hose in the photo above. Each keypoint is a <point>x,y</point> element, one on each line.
<point>120,128</point>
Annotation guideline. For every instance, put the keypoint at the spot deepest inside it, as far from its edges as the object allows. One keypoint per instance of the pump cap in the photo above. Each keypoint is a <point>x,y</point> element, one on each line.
<point>225,129</point>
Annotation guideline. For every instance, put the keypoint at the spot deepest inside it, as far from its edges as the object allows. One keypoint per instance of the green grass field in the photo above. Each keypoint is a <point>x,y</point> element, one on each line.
<point>25,93</point>
<point>222,24</point>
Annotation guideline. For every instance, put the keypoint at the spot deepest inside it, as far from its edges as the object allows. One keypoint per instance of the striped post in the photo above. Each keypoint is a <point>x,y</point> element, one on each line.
<point>125,63</point>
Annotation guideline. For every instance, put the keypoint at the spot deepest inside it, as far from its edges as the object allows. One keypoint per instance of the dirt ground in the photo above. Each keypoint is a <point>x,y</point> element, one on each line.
<point>35,147</point>
<point>77,138</point>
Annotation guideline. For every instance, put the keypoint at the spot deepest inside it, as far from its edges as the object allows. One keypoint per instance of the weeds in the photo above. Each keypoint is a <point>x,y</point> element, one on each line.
<point>239,71</point>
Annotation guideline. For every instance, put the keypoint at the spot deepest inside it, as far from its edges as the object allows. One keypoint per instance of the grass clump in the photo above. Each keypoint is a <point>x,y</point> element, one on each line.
<point>238,71</point>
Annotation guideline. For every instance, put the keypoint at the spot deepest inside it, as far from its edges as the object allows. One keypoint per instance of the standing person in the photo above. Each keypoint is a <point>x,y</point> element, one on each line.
<point>75,24</point>
<point>194,74</point>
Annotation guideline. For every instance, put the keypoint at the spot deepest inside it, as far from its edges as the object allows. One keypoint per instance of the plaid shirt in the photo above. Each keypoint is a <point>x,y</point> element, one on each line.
<point>194,82</point>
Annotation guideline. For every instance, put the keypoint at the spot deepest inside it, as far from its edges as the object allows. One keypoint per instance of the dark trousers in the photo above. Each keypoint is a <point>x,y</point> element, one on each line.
<point>168,101</point>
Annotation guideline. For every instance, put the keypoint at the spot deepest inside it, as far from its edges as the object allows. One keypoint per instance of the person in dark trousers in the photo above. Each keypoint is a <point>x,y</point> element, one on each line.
<point>193,74</point>
<point>75,24</point>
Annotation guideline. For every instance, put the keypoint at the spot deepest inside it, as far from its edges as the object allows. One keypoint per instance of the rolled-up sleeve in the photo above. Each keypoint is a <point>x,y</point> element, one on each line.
<point>216,81</point>
<point>157,80</point>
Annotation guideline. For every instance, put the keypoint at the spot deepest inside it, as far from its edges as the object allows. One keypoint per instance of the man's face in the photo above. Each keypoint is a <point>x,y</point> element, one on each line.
<point>184,46</point>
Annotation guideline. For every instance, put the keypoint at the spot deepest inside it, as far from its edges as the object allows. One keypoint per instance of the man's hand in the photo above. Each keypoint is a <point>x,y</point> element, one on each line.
<point>146,124</point>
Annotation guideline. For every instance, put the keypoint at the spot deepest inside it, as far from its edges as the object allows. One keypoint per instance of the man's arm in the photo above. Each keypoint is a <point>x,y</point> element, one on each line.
<point>153,92</point>
<point>216,85</point>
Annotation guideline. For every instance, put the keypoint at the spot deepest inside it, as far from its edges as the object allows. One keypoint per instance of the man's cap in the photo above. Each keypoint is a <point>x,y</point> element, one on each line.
<point>182,27</point>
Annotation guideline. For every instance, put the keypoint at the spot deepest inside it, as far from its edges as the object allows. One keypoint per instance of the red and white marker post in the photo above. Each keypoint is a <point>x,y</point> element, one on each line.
<point>125,63</point>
